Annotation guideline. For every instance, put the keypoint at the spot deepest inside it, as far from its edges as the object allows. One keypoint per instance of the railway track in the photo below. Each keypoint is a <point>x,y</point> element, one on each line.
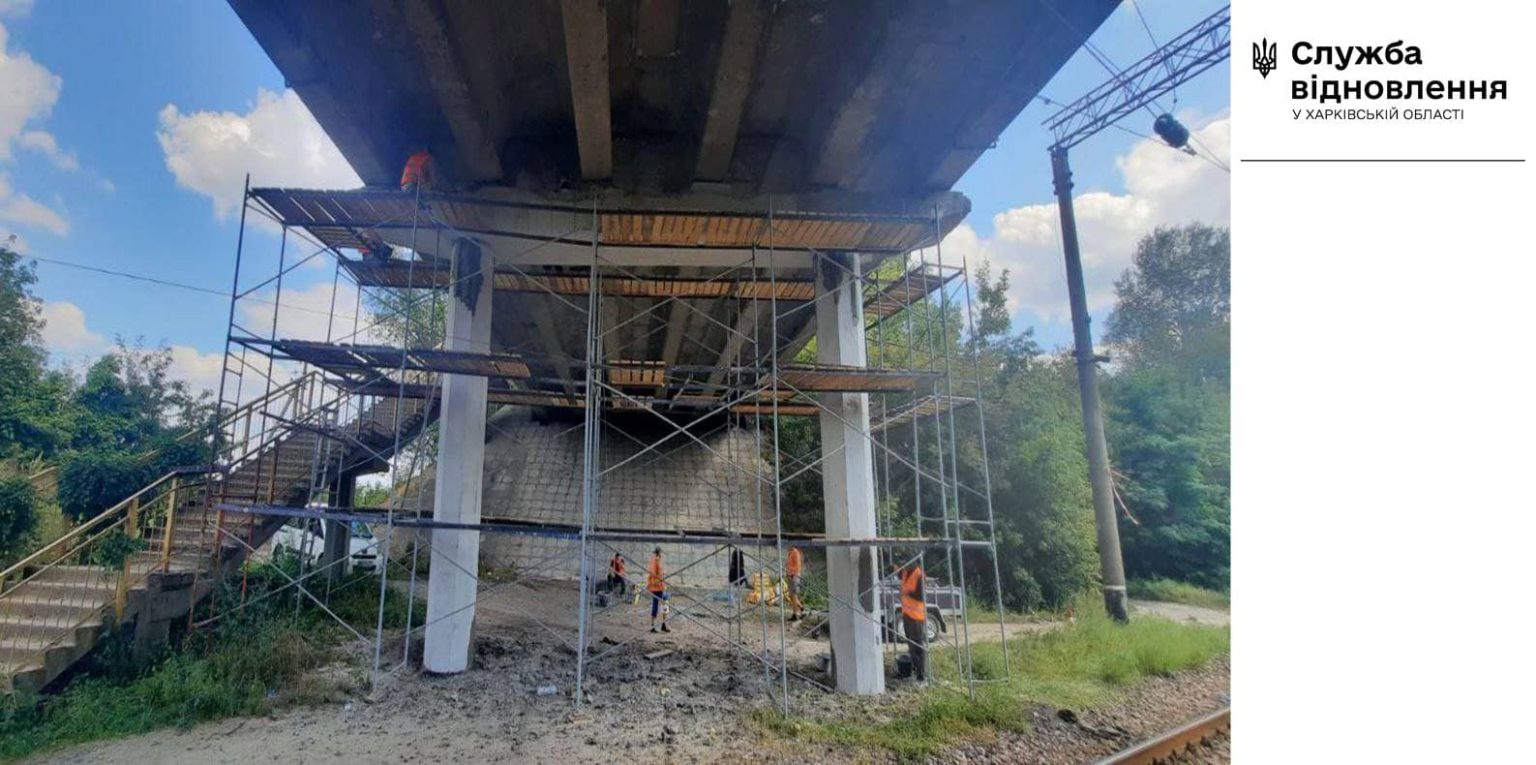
<point>1174,742</point>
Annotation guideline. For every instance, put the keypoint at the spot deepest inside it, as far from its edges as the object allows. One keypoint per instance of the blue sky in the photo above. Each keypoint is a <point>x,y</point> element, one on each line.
<point>95,169</point>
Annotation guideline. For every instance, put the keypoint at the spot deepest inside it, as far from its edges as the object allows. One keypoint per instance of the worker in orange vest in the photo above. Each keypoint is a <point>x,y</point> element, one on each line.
<point>656,583</point>
<point>616,579</point>
<point>371,246</point>
<point>793,568</point>
<point>418,172</point>
<point>914,617</point>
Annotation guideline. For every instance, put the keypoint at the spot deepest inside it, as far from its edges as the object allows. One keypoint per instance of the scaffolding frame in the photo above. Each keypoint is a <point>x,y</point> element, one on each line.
<point>753,387</point>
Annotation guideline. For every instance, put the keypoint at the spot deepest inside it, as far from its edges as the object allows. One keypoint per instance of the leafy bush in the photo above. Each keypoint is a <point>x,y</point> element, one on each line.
<point>93,481</point>
<point>114,548</point>
<point>18,513</point>
<point>185,454</point>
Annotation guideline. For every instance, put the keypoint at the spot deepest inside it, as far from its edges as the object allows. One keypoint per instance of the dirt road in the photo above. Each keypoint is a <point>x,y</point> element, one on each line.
<point>666,698</point>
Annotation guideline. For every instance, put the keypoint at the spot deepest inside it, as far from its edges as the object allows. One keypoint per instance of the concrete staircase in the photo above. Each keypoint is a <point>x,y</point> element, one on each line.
<point>57,604</point>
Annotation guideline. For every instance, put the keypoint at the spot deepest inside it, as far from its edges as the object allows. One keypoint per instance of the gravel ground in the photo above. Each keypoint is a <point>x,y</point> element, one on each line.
<point>1212,752</point>
<point>1067,736</point>
<point>683,706</point>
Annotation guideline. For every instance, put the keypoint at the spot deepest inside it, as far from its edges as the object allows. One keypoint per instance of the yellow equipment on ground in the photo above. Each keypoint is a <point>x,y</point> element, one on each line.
<point>765,590</point>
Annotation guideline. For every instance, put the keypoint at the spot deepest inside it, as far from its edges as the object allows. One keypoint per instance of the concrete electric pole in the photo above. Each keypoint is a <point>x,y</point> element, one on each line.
<point>1199,48</point>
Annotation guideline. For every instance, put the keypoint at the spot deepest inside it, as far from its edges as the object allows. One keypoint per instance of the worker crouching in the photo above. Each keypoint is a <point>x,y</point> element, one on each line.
<point>419,173</point>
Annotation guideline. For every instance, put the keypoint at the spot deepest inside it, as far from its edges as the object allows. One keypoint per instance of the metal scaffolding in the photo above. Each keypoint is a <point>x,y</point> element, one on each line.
<point>364,401</point>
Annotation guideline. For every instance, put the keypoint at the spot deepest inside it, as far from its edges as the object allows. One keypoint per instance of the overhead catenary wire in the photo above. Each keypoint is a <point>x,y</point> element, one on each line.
<point>1136,6</point>
<point>221,294</point>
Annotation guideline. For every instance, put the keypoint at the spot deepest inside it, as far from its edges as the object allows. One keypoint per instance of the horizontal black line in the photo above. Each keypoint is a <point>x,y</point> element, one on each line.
<point>1469,159</point>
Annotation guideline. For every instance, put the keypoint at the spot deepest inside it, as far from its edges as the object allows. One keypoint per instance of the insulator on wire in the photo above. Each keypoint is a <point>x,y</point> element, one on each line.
<point>1171,130</point>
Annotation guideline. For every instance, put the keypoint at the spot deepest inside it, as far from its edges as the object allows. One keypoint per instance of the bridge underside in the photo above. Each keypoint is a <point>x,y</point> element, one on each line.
<point>656,206</point>
<point>873,96</point>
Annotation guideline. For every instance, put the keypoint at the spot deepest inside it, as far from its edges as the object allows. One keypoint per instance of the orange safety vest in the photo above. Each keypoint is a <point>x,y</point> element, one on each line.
<point>912,606</point>
<point>418,169</point>
<point>653,580</point>
<point>796,562</point>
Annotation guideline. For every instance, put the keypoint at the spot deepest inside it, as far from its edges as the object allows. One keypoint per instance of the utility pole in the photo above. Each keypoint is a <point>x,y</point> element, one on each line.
<point>1111,567</point>
<point>1195,50</point>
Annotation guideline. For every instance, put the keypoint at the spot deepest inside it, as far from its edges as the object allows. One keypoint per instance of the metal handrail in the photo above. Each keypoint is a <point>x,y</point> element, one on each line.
<point>267,437</point>
<point>134,522</point>
<point>46,480</point>
<point>150,514</point>
<point>86,526</point>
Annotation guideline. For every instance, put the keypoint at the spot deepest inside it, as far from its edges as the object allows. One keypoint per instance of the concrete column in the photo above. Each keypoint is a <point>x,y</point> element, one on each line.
<point>338,534</point>
<point>848,481</point>
<point>460,466</point>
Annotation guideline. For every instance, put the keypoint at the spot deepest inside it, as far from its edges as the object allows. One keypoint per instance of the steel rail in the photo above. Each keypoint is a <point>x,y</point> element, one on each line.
<point>1174,742</point>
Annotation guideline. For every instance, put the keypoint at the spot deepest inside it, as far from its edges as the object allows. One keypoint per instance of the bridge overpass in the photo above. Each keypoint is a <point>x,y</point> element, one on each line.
<point>653,206</point>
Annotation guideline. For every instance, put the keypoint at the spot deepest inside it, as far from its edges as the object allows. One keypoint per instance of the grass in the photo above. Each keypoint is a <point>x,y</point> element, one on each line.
<point>51,524</point>
<point>1170,591</point>
<point>255,659</point>
<point>1090,664</point>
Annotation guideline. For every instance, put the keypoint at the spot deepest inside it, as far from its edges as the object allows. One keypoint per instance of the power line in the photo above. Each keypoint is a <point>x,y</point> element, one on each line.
<point>170,283</point>
<point>1136,5</point>
<point>126,275</point>
<point>1115,73</point>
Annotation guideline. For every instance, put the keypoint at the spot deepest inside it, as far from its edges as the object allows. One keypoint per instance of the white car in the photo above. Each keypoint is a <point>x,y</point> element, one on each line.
<point>306,537</point>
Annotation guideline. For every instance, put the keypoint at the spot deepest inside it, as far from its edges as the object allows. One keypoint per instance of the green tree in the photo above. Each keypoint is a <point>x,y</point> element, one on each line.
<point>92,481</point>
<point>128,400</point>
<point>1174,305</point>
<point>34,422</point>
<point>133,423</point>
<point>1168,405</point>
<point>408,318</point>
<point>18,514</point>
<point>1040,491</point>
<point>1171,447</point>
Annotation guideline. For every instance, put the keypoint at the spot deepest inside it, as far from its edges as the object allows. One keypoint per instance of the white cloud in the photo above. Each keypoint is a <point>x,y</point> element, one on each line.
<point>306,314</point>
<point>28,92</point>
<point>22,210</point>
<point>44,143</point>
<point>67,335</point>
<point>65,332</point>
<point>278,142</point>
<point>200,370</point>
<point>1163,187</point>
<point>15,7</point>
<point>14,242</point>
